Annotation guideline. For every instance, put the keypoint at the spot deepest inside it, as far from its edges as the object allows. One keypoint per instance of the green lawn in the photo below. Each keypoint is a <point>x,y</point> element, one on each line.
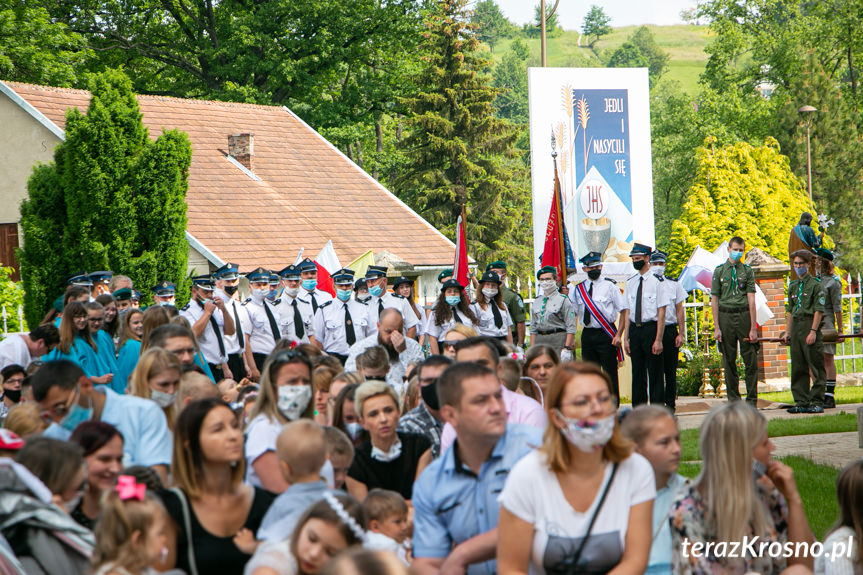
<point>817,486</point>
<point>843,395</point>
<point>684,44</point>
<point>779,428</point>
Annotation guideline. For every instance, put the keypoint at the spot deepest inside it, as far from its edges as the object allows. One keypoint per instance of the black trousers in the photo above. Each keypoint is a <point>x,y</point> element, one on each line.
<point>216,368</point>
<point>237,365</point>
<point>338,356</point>
<point>260,359</point>
<point>670,357</point>
<point>596,348</point>
<point>646,367</point>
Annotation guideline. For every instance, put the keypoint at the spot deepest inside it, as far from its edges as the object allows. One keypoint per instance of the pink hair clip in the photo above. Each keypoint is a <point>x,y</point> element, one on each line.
<point>128,488</point>
<point>294,344</point>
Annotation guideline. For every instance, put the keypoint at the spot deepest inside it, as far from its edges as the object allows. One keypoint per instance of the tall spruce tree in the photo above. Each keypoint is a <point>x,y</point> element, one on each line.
<point>458,152</point>
<point>112,199</point>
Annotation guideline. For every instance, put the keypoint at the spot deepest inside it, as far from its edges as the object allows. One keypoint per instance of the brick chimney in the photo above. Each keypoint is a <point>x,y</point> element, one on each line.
<point>241,147</point>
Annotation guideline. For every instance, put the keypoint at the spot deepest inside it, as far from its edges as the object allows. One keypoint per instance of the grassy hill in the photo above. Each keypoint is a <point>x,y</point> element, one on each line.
<point>684,44</point>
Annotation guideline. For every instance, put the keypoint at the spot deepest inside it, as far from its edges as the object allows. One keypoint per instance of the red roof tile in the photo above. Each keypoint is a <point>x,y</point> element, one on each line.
<point>309,192</point>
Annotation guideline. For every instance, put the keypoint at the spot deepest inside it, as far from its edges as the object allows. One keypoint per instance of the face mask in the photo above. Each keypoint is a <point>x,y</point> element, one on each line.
<point>344,294</point>
<point>376,291</point>
<point>489,292</point>
<point>801,270</point>
<point>310,285</point>
<point>736,255</point>
<point>77,415</point>
<point>394,452</point>
<point>292,291</point>
<point>14,395</point>
<point>163,399</point>
<point>169,302</point>
<point>271,295</point>
<point>258,295</point>
<point>548,286</point>
<point>453,299</point>
<point>231,290</point>
<point>588,436</point>
<point>354,428</point>
<point>429,395</point>
<point>594,274</point>
<point>293,400</point>
<point>658,270</point>
<point>638,265</point>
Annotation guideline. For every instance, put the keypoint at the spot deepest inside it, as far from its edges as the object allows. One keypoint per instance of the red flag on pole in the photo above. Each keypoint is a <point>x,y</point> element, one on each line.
<point>554,250</point>
<point>459,266</point>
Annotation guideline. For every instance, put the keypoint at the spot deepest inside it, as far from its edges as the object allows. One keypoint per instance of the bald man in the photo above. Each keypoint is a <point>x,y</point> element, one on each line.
<point>402,351</point>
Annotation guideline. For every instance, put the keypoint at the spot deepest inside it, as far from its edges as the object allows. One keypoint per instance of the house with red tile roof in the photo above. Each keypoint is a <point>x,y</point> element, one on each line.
<point>262,184</point>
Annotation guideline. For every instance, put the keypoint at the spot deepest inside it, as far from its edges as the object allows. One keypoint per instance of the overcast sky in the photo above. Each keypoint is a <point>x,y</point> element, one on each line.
<point>622,12</point>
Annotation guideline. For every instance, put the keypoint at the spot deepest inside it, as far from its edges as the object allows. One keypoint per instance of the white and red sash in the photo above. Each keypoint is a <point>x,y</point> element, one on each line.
<point>606,325</point>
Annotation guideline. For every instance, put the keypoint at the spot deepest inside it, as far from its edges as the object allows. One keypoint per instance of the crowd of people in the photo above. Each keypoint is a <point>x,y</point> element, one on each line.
<point>299,433</point>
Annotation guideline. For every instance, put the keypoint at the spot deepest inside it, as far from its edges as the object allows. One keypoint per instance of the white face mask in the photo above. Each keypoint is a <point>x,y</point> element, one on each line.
<point>258,295</point>
<point>293,400</point>
<point>490,293</point>
<point>163,399</point>
<point>355,428</point>
<point>292,291</point>
<point>586,436</point>
<point>548,286</point>
<point>394,452</point>
<point>658,270</point>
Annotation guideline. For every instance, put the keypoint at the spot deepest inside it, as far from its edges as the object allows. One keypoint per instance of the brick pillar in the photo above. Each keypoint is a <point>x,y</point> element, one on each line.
<point>242,147</point>
<point>772,357</point>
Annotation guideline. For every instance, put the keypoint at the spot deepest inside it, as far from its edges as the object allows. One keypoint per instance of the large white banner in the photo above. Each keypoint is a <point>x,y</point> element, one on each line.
<point>597,121</point>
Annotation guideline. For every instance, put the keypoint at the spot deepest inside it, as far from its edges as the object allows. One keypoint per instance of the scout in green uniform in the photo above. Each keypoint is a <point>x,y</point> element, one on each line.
<point>552,317</point>
<point>512,301</point>
<point>803,314</point>
<point>732,299</point>
<point>832,287</point>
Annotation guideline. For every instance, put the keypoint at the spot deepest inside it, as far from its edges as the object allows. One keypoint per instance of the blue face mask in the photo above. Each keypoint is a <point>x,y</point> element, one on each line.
<point>76,416</point>
<point>736,255</point>
<point>310,285</point>
<point>801,270</point>
<point>344,294</point>
<point>376,291</point>
<point>272,294</point>
<point>453,299</point>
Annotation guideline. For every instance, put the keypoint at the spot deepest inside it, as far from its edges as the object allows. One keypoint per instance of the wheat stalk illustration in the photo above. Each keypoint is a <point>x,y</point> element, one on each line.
<point>567,104</point>
<point>583,118</point>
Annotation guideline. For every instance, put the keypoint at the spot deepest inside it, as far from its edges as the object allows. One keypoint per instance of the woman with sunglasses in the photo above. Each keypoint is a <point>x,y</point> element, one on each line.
<point>77,345</point>
<point>455,334</point>
<point>451,308</point>
<point>285,395</point>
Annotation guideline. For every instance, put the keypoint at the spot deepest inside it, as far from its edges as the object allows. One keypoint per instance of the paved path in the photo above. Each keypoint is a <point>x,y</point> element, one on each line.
<point>837,449</point>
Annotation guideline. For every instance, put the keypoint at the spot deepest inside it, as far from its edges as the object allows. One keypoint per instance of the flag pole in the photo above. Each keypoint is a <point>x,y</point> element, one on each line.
<point>561,242</point>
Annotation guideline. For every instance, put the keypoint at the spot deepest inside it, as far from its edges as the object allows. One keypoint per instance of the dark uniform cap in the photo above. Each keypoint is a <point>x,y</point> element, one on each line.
<point>343,276</point>
<point>259,275</point>
<point>374,272</point>
<point>824,254</point>
<point>275,279</point>
<point>136,295</point>
<point>165,289</point>
<point>451,283</point>
<point>228,271</point>
<point>360,283</point>
<point>402,280</point>
<point>591,259</point>
<point>640,250</point>
<point>101,277</point>
<point>122,294</point>
<point>307,265</point>
<point>447,273</point>
<point>204,282</point>
<point>490,276</point>
<point>658,257</point>
<point>546,270</point>
<point>291,272</point>
<point>496,265</point>
<point>79,279</point>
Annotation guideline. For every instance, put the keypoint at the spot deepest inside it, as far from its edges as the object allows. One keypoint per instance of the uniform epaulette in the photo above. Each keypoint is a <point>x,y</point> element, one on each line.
<point>660,278</point>
<point>611,280</point>
<point>298,298</point>
<point>248,299</point>
<point>400,296</point>
<point>185,307</point>
<point>365,303</point>
<point>632,276</point>
<point>277,301</point>
<point>671,279</point>
<point>325,304</point>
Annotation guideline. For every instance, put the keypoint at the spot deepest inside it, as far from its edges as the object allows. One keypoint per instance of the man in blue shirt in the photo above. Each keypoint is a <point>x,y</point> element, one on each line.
<point>67,397</point>
<point>455,498</point>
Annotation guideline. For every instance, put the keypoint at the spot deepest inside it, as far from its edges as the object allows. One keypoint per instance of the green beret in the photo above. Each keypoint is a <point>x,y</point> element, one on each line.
<point>824,253</point>
<point>447,273</point>
<point>546,270</point>
<point>498,265</point>
<point>122,294</point>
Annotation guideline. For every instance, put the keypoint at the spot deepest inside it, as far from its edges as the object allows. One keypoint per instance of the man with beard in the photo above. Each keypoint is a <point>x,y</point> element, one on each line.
<point>402,351</point>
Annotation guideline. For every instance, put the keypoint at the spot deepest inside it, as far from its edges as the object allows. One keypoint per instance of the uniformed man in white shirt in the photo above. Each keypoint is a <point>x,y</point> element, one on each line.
<point>295,309</point>
<point>227,289</point>
<point>309,279</point>
<point>342,322</point>
<point>376,280</point>
<point>672,339</point>
<point>165,293</point>
<point>101,281</point>
<point>261,322</point>
<point>210,323</point>
<point>644,321</point>
<point>552,317</point>
<point>598,303</point>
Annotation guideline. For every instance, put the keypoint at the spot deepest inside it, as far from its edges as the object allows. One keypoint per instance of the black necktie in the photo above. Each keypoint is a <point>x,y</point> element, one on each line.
<point>298,321</point>
<point>498,320</point>
<point>314,304</point>
<point>239,326</point>
<point>380,307</point>
<point>586,309</point>
<point>455,315</point>
<point>218,333</point>
<point>274,327</point>
<point>638,300</point>
<point>349,326</point>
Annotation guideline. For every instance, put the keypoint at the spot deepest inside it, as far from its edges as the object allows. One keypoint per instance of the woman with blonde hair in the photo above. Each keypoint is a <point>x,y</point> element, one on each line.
<point>157,377</point>
<point>582,503</point>
<point>454,335</point>
<point>131,331</point>
<point>739,493</point>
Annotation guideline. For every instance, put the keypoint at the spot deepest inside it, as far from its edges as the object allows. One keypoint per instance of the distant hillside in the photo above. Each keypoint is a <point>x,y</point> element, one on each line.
<point>683,43</point>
